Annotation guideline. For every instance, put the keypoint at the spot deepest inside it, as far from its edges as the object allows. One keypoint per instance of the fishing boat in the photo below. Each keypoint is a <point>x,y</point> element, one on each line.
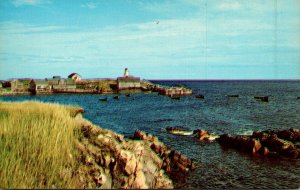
<point>199,96</point>
<point>103,99</point>
<point>232,96</point>
<point>262,98</point>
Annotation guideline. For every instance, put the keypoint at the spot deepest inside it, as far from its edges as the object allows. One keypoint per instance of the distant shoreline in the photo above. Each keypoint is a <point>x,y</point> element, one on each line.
<point>225,80</point>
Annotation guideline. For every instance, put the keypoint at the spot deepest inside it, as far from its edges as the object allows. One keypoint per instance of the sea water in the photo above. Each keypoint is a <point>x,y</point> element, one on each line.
<point>217,167</point>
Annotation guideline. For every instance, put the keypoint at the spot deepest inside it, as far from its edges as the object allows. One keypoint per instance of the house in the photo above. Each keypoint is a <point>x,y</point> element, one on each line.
<point>128,81</point>
<point>67,83</point>
<point>20,85</point>
<point>5,84</point>
<point>39,86</point>
<point>75,76</point>
<point>59,83</point>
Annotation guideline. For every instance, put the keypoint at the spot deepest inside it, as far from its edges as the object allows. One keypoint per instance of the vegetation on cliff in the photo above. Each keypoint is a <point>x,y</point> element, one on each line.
<point>37,145</point>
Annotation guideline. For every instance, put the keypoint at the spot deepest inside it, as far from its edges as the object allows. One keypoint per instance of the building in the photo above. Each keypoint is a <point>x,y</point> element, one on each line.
<point>39,86</point>
<point>67,83</point>
<point>75,76</point>
<point>59,83</point>
<point>128,82</point>
<point>20,85</point>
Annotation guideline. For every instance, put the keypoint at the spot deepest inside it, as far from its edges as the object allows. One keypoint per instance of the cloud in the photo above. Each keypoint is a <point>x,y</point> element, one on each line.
<point>239,38</point>
<point>21,28</point>
<point>89,5</point>
<point>19,3</point>
<point>229,6</point>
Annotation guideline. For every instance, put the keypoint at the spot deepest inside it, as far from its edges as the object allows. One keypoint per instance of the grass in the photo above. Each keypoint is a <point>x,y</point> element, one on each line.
<point>37,145</point>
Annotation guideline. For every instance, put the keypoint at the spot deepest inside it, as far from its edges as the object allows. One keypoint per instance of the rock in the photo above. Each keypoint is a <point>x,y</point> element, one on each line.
<point>260,135</point>
<point>109,161</point>
<point>128,161</point>
<point>176,165</point>
<point>138,135</point>
<point>140,181</point>
<point>256,146</point>
<point>179,131</point>
<point>203,135</point>
<point>266,143</point>
<point>199,133</point>
<point>264,151</point>
<point>158,149</point>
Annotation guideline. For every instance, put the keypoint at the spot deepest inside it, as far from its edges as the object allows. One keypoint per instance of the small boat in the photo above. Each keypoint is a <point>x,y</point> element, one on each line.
<point>127,95</point>
<point>262,98</point>
<point>232,96</point>
<point>103,99</point>
<point>199,96</point>
<point>116,97</point>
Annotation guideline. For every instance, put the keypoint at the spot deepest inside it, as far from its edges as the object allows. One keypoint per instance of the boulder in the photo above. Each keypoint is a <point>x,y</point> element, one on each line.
<point>176,165</point>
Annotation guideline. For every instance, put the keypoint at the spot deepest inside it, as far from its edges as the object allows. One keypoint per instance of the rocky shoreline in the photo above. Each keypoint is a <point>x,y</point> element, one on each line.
<point>108,160</point>
<point>268,143</point>
<point>272,143</point>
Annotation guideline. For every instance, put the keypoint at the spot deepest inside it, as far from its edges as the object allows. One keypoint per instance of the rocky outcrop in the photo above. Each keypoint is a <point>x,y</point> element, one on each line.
<point>200,134</point>
<point>266,143</point>
<point>108,160</point>
<point>178,131</point>
<point>203,135</point>
<point>176,165</point>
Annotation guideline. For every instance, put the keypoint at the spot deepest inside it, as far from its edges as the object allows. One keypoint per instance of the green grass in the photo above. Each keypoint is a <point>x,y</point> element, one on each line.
<point>37,145</point>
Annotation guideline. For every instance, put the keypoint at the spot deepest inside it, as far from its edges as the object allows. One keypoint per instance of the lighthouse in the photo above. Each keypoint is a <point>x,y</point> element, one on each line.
<point>126,73</point>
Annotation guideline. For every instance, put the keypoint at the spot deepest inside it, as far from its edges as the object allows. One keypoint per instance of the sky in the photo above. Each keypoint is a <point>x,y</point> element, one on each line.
<point>154,39</point>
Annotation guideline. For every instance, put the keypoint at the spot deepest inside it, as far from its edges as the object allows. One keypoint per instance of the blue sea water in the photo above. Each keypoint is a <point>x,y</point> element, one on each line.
<point>217,167</point>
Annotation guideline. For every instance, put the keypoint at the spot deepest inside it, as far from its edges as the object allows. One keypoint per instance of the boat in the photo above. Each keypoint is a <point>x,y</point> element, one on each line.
<point>127,95</point>
<point>199,96</point>
<point>103,99</point>
<point>232,96</point>
<point>116,97</point>
<point>262,98</point>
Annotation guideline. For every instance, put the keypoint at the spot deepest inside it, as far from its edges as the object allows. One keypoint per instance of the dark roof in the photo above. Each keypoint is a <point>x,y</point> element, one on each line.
<point>72,74</point>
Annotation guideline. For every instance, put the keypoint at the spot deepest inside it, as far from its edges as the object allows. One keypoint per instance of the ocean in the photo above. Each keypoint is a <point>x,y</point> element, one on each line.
<point>217,167</point>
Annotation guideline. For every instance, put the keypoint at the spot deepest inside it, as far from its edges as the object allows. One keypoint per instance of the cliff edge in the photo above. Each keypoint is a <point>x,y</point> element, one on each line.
<point>108,160</point>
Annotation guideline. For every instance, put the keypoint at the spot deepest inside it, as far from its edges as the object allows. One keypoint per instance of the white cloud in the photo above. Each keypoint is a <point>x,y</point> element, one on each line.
<point>18,3</point>
<point>19,28</point>
<point>89,5</point>
<point>229,5</point>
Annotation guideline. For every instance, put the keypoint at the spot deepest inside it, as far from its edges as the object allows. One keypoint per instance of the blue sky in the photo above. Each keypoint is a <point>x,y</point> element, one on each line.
<point>155,39</point>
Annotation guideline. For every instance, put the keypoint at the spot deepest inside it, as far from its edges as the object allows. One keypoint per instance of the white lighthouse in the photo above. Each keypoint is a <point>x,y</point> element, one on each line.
<point>126,73</point>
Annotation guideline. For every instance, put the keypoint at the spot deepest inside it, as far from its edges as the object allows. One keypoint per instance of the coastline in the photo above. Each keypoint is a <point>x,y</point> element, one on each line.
<point>104,159</point>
